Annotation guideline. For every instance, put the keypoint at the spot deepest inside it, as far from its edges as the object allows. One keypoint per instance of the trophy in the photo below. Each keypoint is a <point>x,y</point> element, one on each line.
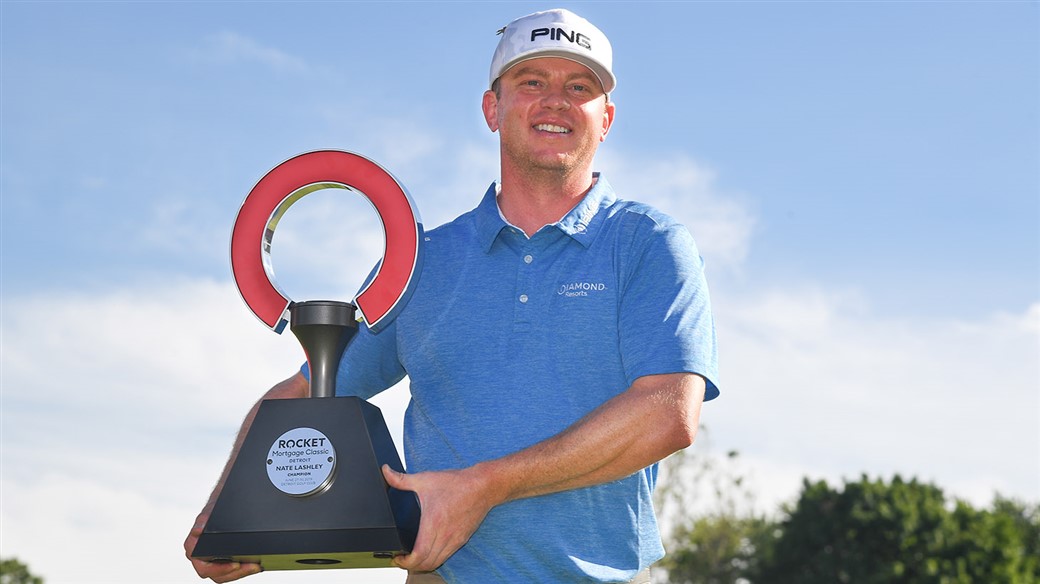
<point>306,489</point>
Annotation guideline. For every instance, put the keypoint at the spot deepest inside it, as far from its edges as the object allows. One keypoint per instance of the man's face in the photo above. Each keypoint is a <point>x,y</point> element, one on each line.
<point>551,114</point>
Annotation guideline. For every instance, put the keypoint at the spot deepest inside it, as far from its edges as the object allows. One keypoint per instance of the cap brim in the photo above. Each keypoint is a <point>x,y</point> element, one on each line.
<point>606,79</point>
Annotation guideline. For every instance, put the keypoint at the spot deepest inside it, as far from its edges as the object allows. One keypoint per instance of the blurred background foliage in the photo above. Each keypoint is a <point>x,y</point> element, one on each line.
<point>864,531</point>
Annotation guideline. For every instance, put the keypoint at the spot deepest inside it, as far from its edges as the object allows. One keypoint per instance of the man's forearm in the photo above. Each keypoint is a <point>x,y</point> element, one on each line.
<point>655,417</point>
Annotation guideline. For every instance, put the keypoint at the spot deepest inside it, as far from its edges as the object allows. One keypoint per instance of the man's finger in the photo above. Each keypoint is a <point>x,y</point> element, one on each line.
<point>396,479</point>
<point>225,572</point>
<point>425,542</point>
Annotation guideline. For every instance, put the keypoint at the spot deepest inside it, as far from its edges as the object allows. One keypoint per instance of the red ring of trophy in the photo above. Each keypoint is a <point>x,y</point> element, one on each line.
<point>302,175</point>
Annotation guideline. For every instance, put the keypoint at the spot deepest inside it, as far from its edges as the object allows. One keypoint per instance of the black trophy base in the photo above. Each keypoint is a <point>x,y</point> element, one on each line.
<point>279,556</point>
<point>351,519</point>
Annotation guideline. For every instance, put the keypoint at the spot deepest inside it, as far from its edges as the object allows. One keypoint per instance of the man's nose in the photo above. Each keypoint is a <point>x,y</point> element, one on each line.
<point>556,98</point>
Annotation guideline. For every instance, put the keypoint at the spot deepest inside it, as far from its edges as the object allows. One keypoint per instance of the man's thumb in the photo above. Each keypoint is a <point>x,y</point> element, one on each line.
<point>395,479</point>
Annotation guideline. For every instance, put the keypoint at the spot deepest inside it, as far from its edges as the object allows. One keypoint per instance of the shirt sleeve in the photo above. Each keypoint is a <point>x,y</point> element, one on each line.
<point>666,323</point>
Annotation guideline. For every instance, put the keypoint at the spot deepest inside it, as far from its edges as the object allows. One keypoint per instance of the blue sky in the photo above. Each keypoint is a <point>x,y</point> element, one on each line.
<point>862,179</point>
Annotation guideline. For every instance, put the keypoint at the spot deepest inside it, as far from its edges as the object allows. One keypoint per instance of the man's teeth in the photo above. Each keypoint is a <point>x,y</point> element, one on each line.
<point>552,128</point>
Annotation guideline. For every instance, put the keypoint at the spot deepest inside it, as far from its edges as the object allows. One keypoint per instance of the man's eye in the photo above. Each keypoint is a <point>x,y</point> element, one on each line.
<point>532,83</point>
<point>579,87</point>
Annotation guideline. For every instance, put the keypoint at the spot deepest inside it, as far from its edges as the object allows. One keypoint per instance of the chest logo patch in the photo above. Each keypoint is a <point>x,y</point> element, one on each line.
<point>578,289</point>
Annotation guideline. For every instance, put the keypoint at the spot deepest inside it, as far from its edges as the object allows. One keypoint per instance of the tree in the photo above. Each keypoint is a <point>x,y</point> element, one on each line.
<point>14,572</point>
<point>997,545</point>
<point>717,548</point>
<point>864,532</point>
<point>872,532</point>
<point>869,532</point>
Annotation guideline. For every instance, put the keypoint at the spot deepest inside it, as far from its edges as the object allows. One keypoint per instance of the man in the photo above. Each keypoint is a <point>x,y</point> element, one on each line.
<point>559,343</point>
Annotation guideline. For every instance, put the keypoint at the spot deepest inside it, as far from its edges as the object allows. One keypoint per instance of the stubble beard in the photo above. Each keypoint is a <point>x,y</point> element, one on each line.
<point>558,166</point>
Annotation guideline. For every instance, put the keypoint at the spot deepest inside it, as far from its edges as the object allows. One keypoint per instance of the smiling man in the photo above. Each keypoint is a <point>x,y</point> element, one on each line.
<point>559,343</point>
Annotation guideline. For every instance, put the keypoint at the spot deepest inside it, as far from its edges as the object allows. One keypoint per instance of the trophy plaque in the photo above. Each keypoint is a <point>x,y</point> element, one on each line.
<point>306,490</point>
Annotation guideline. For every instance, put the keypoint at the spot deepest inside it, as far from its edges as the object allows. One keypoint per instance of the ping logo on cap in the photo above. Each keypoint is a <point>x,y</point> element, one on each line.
<point>558,34</point>
<point>554,33</point>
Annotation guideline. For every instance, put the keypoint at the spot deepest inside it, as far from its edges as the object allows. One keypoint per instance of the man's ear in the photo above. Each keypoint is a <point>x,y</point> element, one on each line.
<point>490,107</point>
<point>608,119</point>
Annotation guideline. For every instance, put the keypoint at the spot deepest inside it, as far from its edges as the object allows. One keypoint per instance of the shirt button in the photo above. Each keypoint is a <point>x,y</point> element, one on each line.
<point>523,298</point>
<point>528,259</point>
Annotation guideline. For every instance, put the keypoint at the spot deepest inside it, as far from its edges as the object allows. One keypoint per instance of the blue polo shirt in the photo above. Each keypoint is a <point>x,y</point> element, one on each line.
<point>508,340</point>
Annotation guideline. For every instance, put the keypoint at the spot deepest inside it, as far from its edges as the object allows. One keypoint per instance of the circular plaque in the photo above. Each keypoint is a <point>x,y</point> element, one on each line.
<point>301,462</point>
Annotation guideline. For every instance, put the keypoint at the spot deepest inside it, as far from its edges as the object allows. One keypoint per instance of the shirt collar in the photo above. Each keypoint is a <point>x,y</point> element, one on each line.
<point>581,223</point>
<point>489,220</point>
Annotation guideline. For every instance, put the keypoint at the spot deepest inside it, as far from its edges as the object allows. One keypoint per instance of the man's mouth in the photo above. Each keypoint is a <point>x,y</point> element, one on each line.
<point>552,128</point>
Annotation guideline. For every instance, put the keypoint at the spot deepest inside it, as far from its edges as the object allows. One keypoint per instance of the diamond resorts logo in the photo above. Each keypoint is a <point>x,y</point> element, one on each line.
<point>580,288</point>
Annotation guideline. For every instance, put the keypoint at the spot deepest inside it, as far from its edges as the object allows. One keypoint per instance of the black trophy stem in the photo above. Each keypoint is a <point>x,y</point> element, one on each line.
<point>324,328</point>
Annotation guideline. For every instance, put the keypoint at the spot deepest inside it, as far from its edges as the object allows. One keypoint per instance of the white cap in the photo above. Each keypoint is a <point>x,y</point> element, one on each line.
<point>554,33</point>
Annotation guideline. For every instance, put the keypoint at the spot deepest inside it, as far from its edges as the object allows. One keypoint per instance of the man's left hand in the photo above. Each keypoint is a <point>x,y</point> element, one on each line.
<point>453,503</point>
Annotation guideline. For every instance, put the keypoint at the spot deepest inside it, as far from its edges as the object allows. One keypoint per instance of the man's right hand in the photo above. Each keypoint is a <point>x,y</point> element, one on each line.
<point>216,571</point>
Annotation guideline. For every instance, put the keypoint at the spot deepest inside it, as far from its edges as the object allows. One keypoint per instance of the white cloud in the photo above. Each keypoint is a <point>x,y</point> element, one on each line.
<point>814,380</point>
<point>229,47</point>
<point>183,226</point>
<point>93,182</point>
<point>722,222</point>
